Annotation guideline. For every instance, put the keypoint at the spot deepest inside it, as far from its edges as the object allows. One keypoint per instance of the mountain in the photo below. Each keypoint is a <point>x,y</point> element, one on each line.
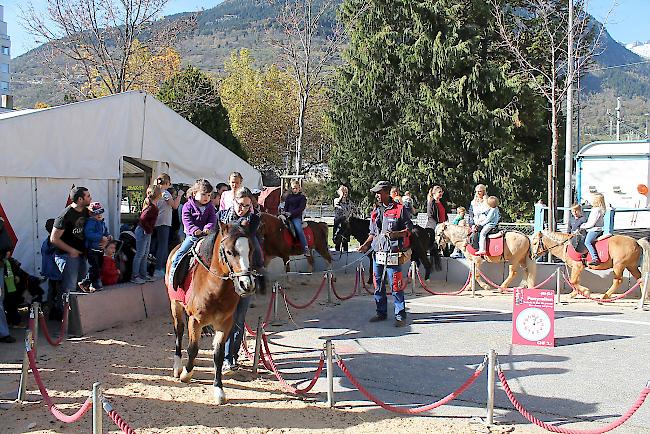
<point>236,24</point>
<point>640,48</point>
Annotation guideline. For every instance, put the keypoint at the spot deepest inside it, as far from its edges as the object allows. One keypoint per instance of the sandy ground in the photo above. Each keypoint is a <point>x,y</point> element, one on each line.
<point>133,363</point>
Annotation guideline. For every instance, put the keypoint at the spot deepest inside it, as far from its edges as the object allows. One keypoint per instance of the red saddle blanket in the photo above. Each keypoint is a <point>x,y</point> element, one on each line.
<point>602,247</point>
<point>494,247</point>
<point>295,242</point>
<point>183,292</point>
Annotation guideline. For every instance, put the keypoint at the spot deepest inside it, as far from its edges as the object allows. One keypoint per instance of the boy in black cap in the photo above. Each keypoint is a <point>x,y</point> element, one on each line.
<point>96,236</point>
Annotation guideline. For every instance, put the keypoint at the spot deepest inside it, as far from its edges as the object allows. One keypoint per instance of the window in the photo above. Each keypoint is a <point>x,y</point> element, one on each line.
<point>5,50</point>
<point>4,68</point>
<point>4,85</point>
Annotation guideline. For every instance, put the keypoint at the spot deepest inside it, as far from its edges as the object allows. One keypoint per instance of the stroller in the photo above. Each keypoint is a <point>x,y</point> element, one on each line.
<point>126,252</point>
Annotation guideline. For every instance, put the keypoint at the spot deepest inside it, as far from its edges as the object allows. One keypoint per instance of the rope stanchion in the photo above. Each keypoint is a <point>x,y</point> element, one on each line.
<point>87,405</point>
<point>600,300</point>
<point>62,330</point>
<point>453,395</point>
<point>116,418</point>
<point>618,422</point>
<point>266,354</point>
<point>310,302</point>
<point>462,289</point>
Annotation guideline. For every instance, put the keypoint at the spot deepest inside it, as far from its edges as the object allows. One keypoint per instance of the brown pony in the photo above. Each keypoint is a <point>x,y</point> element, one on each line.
<point>272,230</point>
<point>516,250</point>
<point>624,253</point>
<point>223,275</point>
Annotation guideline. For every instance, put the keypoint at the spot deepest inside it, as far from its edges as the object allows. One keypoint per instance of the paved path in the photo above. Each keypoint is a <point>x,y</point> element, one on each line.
<point>595,372</point>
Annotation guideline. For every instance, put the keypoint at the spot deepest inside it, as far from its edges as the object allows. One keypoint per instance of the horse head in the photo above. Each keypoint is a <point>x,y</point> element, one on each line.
<point>236,253</point>
<point>536,244</point>
<point>441,236</point>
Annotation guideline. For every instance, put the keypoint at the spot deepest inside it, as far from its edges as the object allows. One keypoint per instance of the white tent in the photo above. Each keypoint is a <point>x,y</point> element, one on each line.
<point>45,152</point>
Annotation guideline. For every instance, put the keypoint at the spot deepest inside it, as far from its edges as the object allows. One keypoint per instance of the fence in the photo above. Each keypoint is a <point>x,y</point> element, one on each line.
<point>634,222</point>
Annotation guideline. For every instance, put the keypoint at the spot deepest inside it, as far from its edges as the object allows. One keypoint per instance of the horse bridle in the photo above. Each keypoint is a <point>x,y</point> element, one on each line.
<point>232,275</point>
<point>539,253</point>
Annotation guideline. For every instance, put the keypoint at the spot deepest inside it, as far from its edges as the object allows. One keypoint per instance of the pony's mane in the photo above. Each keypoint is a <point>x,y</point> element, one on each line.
<point>207,246</point>
<point>557,237</point>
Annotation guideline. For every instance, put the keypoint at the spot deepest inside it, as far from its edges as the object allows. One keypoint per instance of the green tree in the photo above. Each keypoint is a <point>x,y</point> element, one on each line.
<point>194,95</point>
<point>425,98</point>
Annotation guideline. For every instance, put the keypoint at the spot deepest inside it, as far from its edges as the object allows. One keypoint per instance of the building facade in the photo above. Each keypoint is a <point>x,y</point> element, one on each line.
<point>5,62</point>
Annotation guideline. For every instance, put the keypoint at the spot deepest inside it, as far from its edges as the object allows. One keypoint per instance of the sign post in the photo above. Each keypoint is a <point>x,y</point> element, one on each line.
<point>533,317</point>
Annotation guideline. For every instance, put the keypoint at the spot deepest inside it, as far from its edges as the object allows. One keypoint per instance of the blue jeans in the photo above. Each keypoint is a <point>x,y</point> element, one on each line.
<point>297,223</point>
<point>483,235</point>
<point>394,275</point>
<point>186,245</point>
<point>233,344</point>
<point>162,250</point>
<point>73,270</point>
<point>590,240</point>
<point>4,327</point>
<point>142,245</point>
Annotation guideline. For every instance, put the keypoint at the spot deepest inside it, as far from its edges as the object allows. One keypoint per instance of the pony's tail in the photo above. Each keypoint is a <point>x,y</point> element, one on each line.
<point>435,254</point>
<point>645,262</point>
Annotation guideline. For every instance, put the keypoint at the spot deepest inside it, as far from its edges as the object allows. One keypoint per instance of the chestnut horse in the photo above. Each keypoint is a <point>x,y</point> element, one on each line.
<point>274,245</point>
<point>624,253</point>
<point>516,251</point>
<point>222,275</point>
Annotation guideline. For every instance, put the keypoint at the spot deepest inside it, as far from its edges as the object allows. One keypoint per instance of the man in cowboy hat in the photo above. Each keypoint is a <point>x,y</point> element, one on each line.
<point>390,227</point>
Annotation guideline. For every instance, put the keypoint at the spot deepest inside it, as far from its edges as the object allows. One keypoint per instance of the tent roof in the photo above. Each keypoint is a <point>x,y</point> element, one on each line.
<point>87,140</point>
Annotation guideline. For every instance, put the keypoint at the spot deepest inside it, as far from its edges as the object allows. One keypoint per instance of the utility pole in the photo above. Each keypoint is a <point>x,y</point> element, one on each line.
<point>618,118</point>
<point>568,152</point>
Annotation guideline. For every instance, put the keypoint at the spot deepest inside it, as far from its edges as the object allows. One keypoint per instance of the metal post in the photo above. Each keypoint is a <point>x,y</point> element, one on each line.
<point>328,276</point>
<point>330,373</point>
<point>33,314</point>
<point>473,278</point>
<point>568,151</point>
<point>558,284</point>
<point>258,344</point>
<point>413,272</point>
<point>98,409</point>
<point>490,387</point>
<point>24,372</point>
<point>276,291</point>
<point>644,291</point>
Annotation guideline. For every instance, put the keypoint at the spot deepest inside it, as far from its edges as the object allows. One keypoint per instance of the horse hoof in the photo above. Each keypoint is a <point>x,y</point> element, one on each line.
<point>605,297</point>
<point>177,366</point>
<point>573,294</point>
<point>219,396</point>
<point>186,376</point>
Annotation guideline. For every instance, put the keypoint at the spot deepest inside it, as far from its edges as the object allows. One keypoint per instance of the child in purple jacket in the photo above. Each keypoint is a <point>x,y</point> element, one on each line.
<point>199,218</point>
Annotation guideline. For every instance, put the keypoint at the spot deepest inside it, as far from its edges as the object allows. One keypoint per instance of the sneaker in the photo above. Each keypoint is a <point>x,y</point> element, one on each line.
<point>480,252</point>
<point>8,339</point>
<point>307,252</point>
<point>400,322</point>
<point>228,368</point>
<point>378,318</point>
<point>83,287</point>
<point>149,278</point>
<point>137,280</point>
<point>594,262</point>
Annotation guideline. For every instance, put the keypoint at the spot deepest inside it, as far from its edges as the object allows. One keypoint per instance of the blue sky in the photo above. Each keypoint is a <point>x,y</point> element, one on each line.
<point>628,22</point>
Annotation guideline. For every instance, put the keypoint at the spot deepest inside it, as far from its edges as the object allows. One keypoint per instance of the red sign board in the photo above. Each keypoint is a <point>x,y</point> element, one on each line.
<point>533,317</point>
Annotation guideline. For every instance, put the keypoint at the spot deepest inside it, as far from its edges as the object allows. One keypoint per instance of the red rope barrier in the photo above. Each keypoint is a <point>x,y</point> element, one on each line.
<point>64,324</point>
<point>415,410</point>
<point>309,303</point>
<point>502,288</point>
<point>266,317</point>
<point>618,422</point>
<point>115,417</point>
<point>48,400</point>
<point>278,375</point>
<point>465,286</point>
<point>600,300</point>
<point>347,297</point>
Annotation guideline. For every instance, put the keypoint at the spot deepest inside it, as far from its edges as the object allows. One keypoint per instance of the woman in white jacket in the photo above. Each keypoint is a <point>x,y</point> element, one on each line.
<point>594,225</point>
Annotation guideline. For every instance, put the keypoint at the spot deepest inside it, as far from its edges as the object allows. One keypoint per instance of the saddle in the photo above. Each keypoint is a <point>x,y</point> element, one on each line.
<point>577,251</point>
<point>493,246</point>
<point>203,248</point>
<point>292,239</point>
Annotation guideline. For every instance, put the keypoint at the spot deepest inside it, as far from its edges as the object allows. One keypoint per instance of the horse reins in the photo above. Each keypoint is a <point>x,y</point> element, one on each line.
<point>231,274</point>
<point>539,253</point>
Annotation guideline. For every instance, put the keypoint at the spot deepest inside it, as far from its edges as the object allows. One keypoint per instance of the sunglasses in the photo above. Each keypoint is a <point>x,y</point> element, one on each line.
<point>242,206</point>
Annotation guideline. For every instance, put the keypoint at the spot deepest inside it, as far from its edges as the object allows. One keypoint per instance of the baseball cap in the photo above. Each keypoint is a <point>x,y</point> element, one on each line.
<point>256,191</point>
<point>380,186</point>
<point>96,208</point>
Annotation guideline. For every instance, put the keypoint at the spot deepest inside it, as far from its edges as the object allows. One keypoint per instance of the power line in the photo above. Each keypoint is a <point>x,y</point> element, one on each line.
<point>618,66</point>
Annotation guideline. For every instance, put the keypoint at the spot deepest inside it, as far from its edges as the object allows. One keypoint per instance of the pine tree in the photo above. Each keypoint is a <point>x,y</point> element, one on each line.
<point>425,98</point>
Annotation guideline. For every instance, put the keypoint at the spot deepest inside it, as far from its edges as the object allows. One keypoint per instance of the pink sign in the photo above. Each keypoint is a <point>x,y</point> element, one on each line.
<point>533,317</point>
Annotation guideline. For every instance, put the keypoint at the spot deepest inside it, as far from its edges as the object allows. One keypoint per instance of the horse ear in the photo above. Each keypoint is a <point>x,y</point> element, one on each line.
<point>223,228</point>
